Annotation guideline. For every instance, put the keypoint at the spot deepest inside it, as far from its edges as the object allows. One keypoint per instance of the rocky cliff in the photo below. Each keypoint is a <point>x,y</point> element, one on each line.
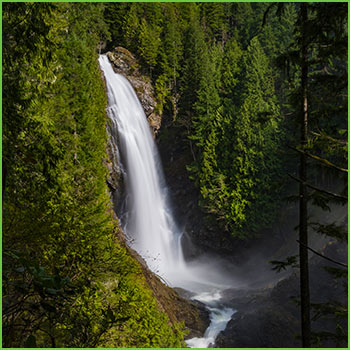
<point>126,64</point>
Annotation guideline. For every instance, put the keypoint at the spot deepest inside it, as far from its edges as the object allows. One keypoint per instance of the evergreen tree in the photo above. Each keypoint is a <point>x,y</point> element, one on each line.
<point>208,99</point>
<point>149,43</point>
<point>213,20</point>
<point>131,27</point>
<point>170,57</point>
<point>239,141</point>
<point>115,15</point>
<point>67,280</point>
<point>242,22</point>
<point>193,65</point>
<point>256,135</point>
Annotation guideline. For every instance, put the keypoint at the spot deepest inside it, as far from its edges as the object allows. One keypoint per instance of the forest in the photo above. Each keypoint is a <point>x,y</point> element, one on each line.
<point>252,99</point>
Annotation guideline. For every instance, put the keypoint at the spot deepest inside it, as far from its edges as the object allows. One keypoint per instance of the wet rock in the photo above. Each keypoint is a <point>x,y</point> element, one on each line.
<point>258,322</point>
<point>112,164</point>
<point>123,60</point>
<point>126,64</point>
<point>265,327</point>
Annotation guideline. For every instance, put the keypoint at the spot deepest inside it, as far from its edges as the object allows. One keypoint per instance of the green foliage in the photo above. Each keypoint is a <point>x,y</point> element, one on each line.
<point>207,99</point>
<point>212,68</point>
<point>239,142</point>
<point>213,20</point>
<point>332,230</point>
<point>67,281</point>
<point>323,70</point>
<point>149,42</point>
<point>231,71</point>
<point>291,261</point>
<point>193,66</point>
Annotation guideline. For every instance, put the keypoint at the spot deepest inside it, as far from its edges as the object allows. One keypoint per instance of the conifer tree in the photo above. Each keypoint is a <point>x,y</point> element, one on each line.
<point>238,141</point>
<point>213,20</point>
<point>149,43</point>
<point>61,252</point>
<point>170,56</point>
<point>194,57</point>
<point>256,133</point>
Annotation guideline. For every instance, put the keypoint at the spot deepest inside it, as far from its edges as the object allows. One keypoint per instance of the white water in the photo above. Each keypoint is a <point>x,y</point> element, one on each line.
<point>149,224</point>
<point>219,317</point>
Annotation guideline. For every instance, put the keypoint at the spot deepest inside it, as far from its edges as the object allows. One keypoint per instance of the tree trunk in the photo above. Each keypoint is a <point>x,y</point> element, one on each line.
<point>303,234</point>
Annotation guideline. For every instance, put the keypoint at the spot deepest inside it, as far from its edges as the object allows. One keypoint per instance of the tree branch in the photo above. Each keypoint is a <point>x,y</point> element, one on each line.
<point>266,13</point>
<point>342,142</point>
<point>322,160</point>
<point>323,256</point>
<point>338,196</point>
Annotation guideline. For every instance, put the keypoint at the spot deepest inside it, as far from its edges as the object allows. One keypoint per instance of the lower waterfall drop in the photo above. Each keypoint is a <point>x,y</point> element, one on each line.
<point>150,226</point>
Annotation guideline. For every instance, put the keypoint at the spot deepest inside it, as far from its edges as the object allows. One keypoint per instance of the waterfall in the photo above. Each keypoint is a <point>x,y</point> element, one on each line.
<point>148,223</point>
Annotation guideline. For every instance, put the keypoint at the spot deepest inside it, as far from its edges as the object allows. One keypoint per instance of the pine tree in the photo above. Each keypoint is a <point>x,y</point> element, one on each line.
<point>213,19</point>
<point>256,140</point>
<point>238,137</point>
<point>208,99</point>
<point>170,56</point>
<point>115,15</point>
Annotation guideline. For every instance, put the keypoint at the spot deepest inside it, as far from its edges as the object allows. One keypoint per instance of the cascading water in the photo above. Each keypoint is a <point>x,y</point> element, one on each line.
<point>149,224</point>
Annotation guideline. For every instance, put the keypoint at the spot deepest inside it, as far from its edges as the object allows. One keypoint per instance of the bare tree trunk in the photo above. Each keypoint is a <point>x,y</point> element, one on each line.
<point>303,234</point>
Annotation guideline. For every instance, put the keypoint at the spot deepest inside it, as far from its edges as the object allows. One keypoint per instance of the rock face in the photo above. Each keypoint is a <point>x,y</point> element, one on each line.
<point>259,322</point>
<point>126,64</point>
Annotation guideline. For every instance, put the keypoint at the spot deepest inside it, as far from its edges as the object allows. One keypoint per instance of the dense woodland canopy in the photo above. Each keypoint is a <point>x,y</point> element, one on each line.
<point>228,76</point>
